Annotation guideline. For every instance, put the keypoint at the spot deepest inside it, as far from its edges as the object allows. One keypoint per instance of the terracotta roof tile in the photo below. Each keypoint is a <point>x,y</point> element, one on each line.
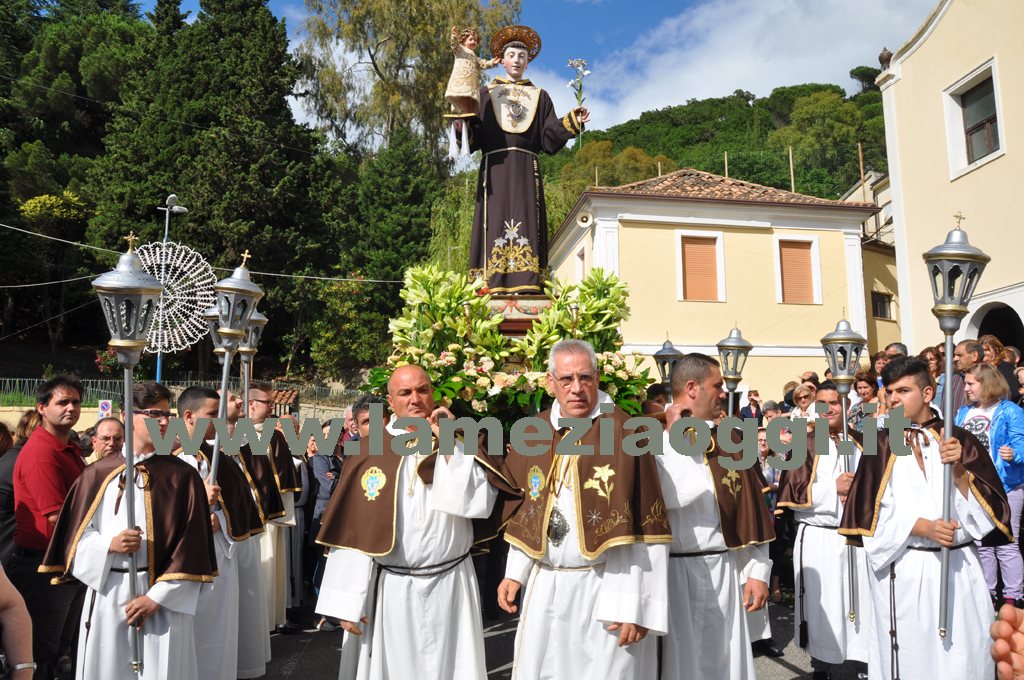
<point>286,397</point>
<point>689,183</point>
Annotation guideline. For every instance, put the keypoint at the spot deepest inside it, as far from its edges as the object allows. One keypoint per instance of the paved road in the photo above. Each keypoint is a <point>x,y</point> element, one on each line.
<point>315,655</point>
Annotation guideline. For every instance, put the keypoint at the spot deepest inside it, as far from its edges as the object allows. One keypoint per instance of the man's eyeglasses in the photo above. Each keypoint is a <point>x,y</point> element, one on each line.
<point>585,379</point>
<point>110,440</point>
<point>268,402</point>
<point>153,413</point>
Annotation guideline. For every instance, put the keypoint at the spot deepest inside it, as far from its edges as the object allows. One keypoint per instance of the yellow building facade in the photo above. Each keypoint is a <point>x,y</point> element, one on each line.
<point>702,253</point>
<point>953,98</point>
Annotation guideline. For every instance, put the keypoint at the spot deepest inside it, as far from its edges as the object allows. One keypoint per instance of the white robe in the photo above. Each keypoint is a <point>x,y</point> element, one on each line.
<point>253,619</point>
<point>104,652</point>
<point>216,619</point>
<point>825,575</point>
<point>708,630</point>
<point>568,602</point>
<point>964,653</point>
<point>423,627</point>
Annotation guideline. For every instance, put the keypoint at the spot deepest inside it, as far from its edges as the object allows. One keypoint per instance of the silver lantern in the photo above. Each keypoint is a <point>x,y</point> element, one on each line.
<point>665,359</point>
<point>732,354</point>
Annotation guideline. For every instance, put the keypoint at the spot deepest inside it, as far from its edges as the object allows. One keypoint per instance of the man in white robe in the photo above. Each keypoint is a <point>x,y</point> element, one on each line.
<point>168,591</point>
<point>712,585</point>
<point>820,554</point>
<point>895,508</point>
<point>586,615</point>
<point>410,607</point>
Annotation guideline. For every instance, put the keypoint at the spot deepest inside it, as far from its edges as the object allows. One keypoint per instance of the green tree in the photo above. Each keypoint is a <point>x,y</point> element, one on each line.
<point>865,76</point>
<point>400,67</point>
<point>822,120</point>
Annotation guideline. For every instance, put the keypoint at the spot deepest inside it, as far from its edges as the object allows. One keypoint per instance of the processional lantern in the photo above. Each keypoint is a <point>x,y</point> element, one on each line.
<point>843,349</point>
<point>732,354</point>
<point>665,359</point>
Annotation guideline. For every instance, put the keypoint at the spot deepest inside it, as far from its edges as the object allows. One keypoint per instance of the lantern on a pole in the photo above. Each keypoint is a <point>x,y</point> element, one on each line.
<point>128,296</point>
<point>665,359</point>
<point>237,296</point>
<point>732,354</point>
<point>843,348</point>
<point>247,351</point>
<point>954,269</point>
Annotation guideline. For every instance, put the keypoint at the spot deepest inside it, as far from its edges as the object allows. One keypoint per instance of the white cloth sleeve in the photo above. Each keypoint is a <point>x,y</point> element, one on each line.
<point>824,496</point>
<point>461,488</point>
<point>892,531</point>
<point>635,587</point>
<point>346,584</point>
<point>177,596</point>
<point>93,558</point>
<point>753,562</point>
<point>518,565</point>
<point>976,522</point>
<point>223,542</point>
<point>682,479</point>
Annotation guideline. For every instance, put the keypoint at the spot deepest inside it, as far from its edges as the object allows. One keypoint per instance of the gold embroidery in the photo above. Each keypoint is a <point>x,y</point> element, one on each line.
<point>600,482</point>
<point>373,482</point>
<point>731,482</point>
<point>657,515</point>
<point>512,253</point>
<point>614,520</point>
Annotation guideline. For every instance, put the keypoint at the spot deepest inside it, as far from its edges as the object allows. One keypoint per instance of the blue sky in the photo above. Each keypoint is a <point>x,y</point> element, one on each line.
<point>648,54</point>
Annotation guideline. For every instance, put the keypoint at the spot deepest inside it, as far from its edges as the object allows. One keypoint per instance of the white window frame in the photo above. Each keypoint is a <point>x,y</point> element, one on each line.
<point>581,263</point>
<point>956,145</point>
<point>719,261</point>
<point>815,267</point>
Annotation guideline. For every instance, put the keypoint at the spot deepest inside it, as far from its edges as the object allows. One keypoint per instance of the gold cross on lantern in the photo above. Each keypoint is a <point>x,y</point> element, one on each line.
<point>245,256</point>
<point>131,238</point>
<point>959,217</point>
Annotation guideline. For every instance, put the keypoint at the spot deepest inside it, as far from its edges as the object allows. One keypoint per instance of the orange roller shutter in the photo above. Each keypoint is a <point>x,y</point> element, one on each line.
<point>700,269</point>
<point>797,280</point>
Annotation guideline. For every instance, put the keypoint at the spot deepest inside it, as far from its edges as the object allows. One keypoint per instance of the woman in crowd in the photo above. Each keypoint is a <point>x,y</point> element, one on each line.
<point>878,362</point>
<point>867,389</point>
<point>936,369</point>
<point>999,425</point>
<point>803,399</point>
<point>994,353</point>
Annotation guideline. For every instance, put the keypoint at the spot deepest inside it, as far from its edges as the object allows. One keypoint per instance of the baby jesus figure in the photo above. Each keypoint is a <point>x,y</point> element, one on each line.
<point>464,85</point>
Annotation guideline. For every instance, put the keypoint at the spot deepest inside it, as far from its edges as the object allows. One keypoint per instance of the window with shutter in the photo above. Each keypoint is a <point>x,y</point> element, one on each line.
<point>700,268</point>
<point>797,276</point>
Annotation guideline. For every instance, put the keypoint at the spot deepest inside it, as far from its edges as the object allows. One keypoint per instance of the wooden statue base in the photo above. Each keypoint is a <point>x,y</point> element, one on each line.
<point>520,311</point>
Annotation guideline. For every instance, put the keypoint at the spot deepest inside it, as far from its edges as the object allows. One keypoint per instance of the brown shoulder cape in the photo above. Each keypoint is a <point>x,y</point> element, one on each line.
<point>618,497</point>
<point>280,457</point>
<point>178,534</point>
<point>743,511</point>
<point>259,471</point>
<point>860,518</point>
<point>362,511</point>
<point>236,500</point>
<point>795,485</point>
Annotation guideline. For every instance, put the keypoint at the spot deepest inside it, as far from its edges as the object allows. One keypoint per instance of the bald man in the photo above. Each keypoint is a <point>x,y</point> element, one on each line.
<point>405,524</point>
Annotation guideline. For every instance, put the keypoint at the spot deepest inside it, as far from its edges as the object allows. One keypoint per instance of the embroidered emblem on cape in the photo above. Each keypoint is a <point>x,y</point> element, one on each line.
<point>514,105</point>
<point>558,527</point>
<point>731,482</point>
<point>535,478</point>
<point>600,482</point>
<point>512,253</point>
<point>658,515</point>
<point>615,519</point>
<point>373,482</point>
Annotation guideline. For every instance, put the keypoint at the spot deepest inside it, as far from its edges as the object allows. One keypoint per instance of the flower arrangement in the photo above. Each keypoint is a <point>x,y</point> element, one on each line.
<point>106,361</point>
<point>447,328</point>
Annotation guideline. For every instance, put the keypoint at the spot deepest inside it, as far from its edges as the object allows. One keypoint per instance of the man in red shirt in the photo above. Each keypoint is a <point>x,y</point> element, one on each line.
<point>46,468</point>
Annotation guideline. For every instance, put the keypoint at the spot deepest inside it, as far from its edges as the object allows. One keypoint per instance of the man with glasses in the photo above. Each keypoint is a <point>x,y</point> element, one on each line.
<point>107,438</point>
<point>589,545</point>
<point>172,543</point>
<point>47,466</point>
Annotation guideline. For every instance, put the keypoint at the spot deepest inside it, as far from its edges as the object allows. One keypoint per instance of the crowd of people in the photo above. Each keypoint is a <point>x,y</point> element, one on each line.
<point>642,567</point>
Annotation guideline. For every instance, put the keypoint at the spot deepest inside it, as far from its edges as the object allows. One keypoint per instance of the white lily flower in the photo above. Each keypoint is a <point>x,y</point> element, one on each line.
<point>571,83</point>
<point>586,73</point>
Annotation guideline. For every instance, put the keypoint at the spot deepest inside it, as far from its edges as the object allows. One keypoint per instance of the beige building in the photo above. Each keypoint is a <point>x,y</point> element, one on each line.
<point>702,253</point>
<point>953,98</point>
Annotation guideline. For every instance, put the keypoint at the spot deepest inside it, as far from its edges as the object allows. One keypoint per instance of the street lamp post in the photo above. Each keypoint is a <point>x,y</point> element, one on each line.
<point>128,298</point>
<point>237,296</point>
<point>172,207</point>
<point>954,269</point>
<point>843,348</point>
<point>732,353</point>
<point>665,359</point>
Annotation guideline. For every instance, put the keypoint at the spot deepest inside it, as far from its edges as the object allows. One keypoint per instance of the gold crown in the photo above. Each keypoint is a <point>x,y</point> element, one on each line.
<point>510,34</point>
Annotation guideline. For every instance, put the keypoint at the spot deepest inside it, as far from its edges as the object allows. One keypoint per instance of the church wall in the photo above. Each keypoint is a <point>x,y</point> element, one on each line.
<point>880,277</point>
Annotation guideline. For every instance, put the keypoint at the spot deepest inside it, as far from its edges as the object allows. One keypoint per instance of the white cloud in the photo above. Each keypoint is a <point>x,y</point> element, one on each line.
<point>723,45</point>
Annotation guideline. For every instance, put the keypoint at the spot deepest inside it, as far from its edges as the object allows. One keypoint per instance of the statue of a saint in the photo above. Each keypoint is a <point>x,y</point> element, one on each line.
<point>515,122</point>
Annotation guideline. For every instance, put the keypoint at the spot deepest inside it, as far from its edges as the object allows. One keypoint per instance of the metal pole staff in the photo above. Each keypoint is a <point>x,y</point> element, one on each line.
<point>222,412</point>
<point>850,555</point>
<point>129,499</point>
